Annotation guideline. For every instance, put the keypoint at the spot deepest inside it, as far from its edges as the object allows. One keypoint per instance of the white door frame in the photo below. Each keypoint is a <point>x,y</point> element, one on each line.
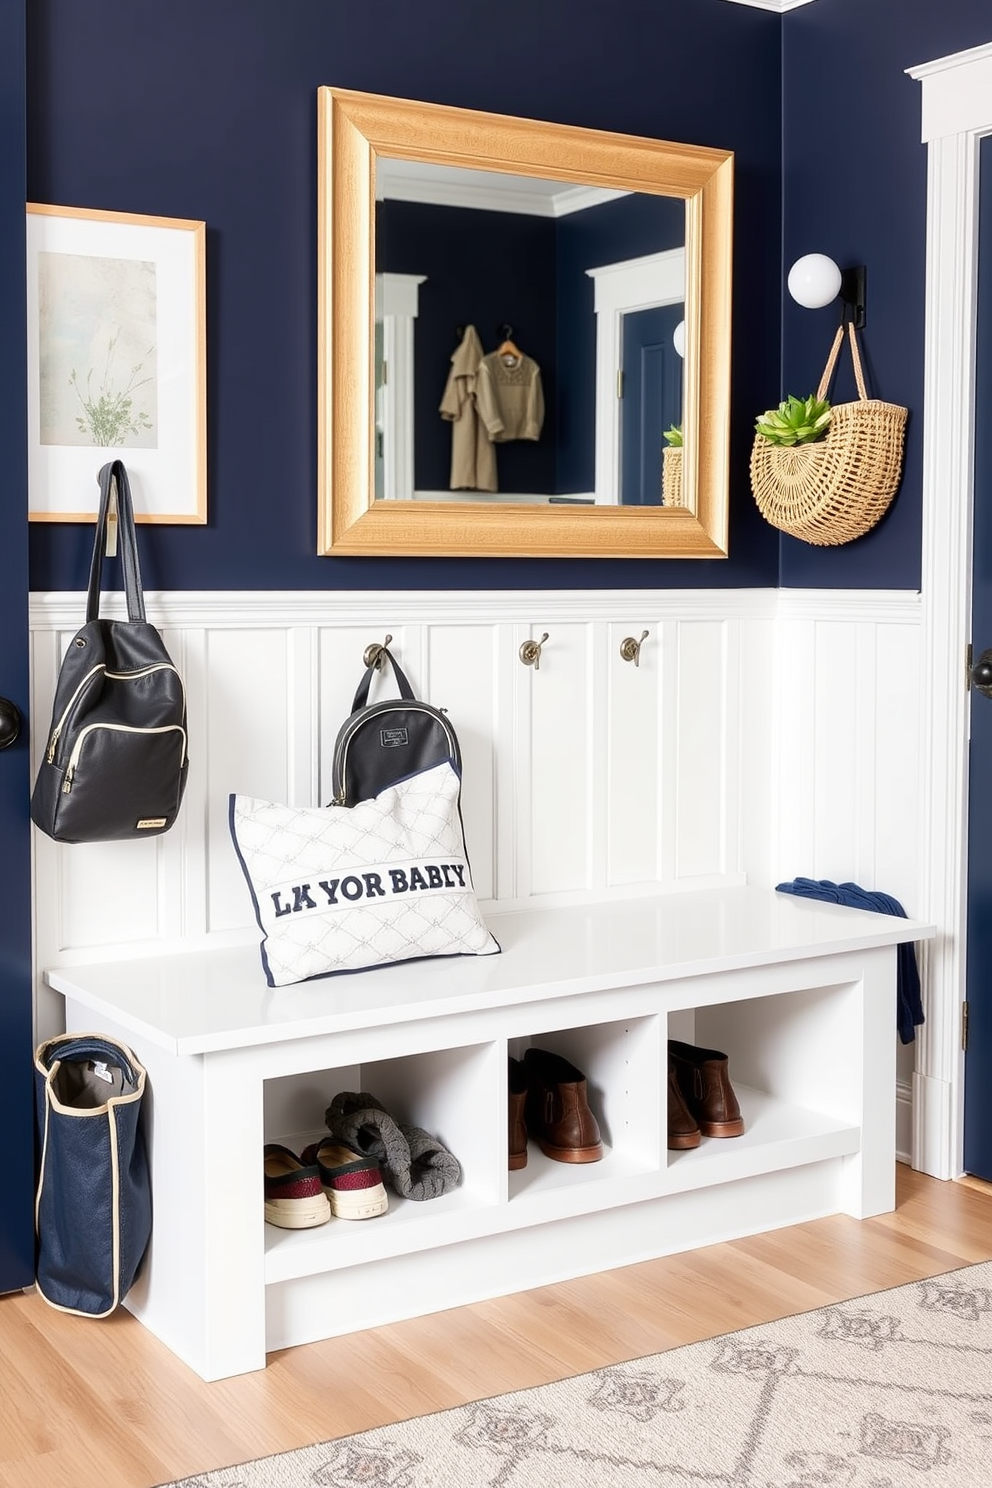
<point>957,113</point>
<point>397,302</point>
<point>618,290</point>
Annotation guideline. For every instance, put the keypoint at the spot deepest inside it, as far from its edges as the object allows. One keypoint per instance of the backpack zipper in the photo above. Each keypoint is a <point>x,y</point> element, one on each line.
<point>341,798</point>
<point>56,731</point>
<point>158,666</point>
<point>120,728</point>
<point>155,666</point>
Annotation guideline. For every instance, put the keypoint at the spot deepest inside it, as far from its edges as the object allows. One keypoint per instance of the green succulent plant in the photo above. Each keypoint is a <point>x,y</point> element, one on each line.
<point>796,421</point>
<point>674,436</point>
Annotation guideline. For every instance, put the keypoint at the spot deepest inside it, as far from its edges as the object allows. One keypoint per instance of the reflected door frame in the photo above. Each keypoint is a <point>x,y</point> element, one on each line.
<point>646,283</point>
<point>397,303</point>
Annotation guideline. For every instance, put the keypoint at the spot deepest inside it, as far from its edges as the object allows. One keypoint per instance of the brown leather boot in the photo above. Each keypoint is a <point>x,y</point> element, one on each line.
<point>558,1114</point>
<point>516,1103</point>
<point>683,1129</point>
<point>706,1089</point>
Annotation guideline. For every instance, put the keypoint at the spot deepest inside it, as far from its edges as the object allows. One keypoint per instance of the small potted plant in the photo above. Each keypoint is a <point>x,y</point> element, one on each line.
<point>795,421</point>
<point>671,467</point>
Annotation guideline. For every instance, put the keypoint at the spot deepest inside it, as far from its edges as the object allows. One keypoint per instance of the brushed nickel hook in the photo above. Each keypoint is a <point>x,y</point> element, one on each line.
<point>630,649</point>
<point>530,652</point>
<point>373,653</point>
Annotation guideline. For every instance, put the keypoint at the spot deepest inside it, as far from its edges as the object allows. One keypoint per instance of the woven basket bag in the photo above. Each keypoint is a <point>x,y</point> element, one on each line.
<point>837,488</point>
<point>671,476</point>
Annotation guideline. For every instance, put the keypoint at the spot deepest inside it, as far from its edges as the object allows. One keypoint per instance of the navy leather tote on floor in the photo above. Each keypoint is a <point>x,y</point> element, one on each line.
<point>93,1210</point>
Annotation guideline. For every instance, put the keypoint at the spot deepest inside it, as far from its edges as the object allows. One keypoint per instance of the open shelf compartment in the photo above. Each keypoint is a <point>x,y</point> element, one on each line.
<point>797,1068</point>
<point>455,1094</point>
<point>620,1061</point>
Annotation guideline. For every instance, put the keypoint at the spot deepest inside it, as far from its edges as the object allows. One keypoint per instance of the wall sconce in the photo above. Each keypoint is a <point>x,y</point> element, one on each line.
<point>678,338</point>
<point>815,280</point>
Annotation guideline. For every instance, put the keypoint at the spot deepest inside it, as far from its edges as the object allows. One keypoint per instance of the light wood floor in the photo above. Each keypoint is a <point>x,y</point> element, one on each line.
<point>102,1404</point>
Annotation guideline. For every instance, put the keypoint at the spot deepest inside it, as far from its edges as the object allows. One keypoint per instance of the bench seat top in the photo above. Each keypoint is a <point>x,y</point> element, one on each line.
<point>200,1001</point>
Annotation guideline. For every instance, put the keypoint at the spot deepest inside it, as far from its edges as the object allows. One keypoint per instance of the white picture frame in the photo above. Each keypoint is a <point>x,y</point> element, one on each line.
<point>116,362</point>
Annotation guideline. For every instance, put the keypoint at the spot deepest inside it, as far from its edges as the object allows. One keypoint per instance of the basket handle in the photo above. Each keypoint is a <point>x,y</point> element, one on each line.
<point>828,370</point>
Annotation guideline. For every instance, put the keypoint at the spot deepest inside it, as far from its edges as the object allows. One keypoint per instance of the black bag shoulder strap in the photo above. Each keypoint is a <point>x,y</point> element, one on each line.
<point>114,475</point>
<point>362,695</point>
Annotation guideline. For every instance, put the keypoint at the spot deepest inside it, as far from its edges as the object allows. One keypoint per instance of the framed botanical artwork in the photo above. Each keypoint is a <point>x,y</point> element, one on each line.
<point>116,362</point>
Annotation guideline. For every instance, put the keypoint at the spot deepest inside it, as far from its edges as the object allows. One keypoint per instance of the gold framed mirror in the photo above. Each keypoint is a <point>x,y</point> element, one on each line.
<point>365,139</point>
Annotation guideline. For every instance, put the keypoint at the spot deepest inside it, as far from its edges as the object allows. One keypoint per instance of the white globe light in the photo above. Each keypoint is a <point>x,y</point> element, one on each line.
<point>678,338</point>
<point>814,281</point>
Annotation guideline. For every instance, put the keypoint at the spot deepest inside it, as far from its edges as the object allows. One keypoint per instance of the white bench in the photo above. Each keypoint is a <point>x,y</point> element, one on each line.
<point>800,994</point>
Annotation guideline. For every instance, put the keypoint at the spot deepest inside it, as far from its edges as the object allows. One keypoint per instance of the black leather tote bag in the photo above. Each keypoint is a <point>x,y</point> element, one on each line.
<point>116,758</point>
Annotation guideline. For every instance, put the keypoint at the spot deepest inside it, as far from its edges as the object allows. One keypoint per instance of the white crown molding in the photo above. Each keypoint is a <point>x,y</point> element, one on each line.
<point>577,198</point>
<point>780,6</point>
<point>488,191</point>
<point>956,91</point>
<point>239,609</point>
<point>879,606</point>
<point>951,62</point>
<point>235,609</point>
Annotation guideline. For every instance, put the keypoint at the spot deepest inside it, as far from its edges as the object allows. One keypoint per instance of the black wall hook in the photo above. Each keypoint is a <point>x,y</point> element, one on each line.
<point>852,295</point>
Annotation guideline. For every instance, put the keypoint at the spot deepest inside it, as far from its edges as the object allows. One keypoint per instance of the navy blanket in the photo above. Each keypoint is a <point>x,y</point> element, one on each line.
<point>909,1004</point>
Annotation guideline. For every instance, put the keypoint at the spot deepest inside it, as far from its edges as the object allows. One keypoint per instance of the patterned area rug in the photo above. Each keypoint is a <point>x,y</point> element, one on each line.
<point>886,1391</point>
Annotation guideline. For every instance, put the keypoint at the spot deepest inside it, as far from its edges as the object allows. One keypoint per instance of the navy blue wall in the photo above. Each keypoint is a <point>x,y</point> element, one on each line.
<point>207,109</point>
<point>212,115</point>
<point>855,188</point>
<point>16,1218</point>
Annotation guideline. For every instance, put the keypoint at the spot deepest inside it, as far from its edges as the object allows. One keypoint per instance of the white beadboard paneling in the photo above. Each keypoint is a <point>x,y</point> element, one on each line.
<point>835,735</point>
<point>795,747</point>
<point>849,704</point>
<point>772,733</point>
<point>246,751</point>
<point>896,759</point>
<point>107,889</point>
<point>757,778</point>
<point>461,679</point>
<point>636,761</point>
<point>561,758</point>
<point>700,808</point>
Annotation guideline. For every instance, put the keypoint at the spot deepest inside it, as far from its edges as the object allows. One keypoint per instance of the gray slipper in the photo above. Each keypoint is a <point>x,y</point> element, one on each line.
<point>361,1120</point>
<point>433,1169</point>
<point>413,1162</point>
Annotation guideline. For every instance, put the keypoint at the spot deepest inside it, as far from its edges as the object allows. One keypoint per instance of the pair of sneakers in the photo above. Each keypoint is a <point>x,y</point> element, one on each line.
<point>327,1178</point>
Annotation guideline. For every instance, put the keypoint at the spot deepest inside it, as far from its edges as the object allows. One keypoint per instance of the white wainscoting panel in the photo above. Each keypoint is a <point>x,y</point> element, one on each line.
<point>640,740</point>
<point>761,735</point>
<point>704,813</point>
<point>848,678</point>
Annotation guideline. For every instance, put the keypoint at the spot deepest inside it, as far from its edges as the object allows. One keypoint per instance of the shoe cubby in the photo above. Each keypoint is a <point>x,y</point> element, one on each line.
<point>795,1068</point>
<point>620,1061</point>
<point>453,1094</point>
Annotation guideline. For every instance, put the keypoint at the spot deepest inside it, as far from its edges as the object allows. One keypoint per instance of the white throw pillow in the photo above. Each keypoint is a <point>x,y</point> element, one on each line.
<point>341,888</point>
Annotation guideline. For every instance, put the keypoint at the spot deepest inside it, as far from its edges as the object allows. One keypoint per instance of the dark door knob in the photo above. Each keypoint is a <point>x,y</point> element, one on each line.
<point>981,674</point>
<point>10,723</point>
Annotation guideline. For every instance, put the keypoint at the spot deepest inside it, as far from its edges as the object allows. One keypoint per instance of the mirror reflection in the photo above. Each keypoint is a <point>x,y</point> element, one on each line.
<point>529,338</point>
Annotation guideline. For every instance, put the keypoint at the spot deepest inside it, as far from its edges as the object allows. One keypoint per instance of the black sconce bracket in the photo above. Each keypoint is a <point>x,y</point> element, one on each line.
<point>852,294</point>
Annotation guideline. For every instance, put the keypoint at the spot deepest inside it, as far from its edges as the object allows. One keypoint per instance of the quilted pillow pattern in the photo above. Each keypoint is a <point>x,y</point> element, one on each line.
<point>340,888</point>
